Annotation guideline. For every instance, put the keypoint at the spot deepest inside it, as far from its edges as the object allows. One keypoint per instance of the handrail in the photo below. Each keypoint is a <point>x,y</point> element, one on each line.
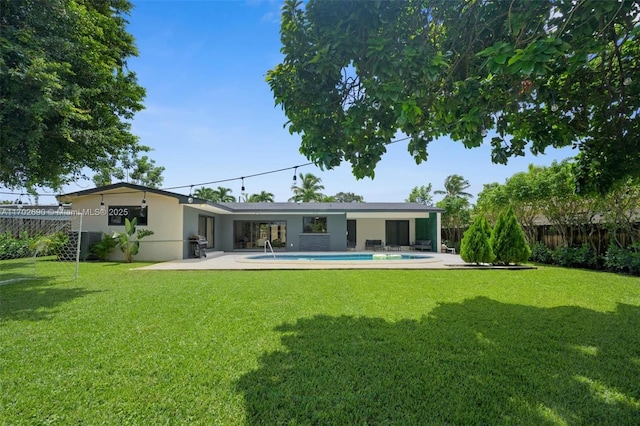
<point>268,243</point>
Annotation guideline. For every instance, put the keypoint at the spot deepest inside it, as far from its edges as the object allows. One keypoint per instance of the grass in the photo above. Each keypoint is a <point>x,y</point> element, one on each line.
<point>548,346</point>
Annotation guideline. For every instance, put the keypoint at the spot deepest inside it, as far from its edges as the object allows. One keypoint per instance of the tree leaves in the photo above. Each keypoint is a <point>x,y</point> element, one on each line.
<point>544,73</point>
<point>66,91</point>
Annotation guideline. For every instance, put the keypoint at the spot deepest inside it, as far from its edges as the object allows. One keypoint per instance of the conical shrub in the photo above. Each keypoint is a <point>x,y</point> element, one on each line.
<point>508,240</point>
<point>476,245</point>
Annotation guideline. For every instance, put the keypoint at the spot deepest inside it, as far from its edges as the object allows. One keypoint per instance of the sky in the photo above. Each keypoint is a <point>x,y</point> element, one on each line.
<point>211,116</point>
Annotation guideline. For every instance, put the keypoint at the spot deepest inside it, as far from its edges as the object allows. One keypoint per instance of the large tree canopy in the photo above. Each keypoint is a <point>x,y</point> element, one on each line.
<point>538,73</point>
<point>66,92</point>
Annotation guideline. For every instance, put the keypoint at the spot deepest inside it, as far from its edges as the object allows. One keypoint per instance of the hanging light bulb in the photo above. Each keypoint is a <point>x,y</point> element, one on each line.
<point>101,200</point>
<point>483,131</point>
<point>242,187</point>
<point>627,81</point>
<point>190,199</point>
<point>144,201</point>
<point>554,107</point>
<point>295,171</point>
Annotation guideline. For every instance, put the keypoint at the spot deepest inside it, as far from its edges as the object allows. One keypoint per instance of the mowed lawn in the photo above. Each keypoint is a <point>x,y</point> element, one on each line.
<point>119,346</point>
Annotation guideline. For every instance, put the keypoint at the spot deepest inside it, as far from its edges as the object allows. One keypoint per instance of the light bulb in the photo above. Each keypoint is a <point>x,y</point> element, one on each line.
<point>554,107</point>
<point>627,81</point>
<point>483,132</point>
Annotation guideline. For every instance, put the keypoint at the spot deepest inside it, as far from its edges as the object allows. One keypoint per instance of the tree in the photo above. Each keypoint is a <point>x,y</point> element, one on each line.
<point>421,195</point>
<point>454,186</point>
<point>508,241</point>
<point>348,197</point>
<point>539,74</point>
<point>67,94</point>
<point>133,169</point>
<point>309,189</point>
<point>476,243</point>
<point>223,195</point>
<point>262,197</point>
<point>206,193</point>
<point>129,240</point>
<point>456,216</point>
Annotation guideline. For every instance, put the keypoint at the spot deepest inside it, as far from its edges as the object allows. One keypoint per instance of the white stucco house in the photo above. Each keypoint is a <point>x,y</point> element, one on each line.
<point>231,227</point>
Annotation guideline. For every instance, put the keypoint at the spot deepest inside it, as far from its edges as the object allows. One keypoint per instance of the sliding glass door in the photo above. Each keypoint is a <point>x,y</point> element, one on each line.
<point>249,234</point>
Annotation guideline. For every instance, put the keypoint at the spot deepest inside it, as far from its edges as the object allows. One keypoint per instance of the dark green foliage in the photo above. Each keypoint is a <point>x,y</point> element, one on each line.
<point>103,248</point>
<point>541,253</point>
<point>16,248</point>
<point>476,245</point>
<point>537,73</point>
<point>577,257</point>
<point>508,240</point>
<point>623,260</point>
<point>67,94</point>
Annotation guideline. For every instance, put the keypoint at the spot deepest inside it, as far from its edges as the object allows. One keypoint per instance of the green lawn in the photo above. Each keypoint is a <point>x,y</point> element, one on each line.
<point>531,347</point>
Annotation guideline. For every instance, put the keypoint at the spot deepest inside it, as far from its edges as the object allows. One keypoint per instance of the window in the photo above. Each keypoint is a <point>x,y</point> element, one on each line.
<point>117,214</point>
<point>314,224</point>
<point>206,225</point>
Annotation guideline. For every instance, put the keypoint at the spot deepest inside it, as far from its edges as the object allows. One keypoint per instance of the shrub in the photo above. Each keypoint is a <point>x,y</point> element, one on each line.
<point>126,241</point>
<point>16,248</point>
<point>541,253</point>
<point>476,246</point>
<point>620,259</point>
<point>103,248</point>
<point>580,257</point>
<point>508,241</point>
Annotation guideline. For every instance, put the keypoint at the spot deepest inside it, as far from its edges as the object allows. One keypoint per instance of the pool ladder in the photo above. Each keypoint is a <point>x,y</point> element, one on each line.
<point>268,243</point>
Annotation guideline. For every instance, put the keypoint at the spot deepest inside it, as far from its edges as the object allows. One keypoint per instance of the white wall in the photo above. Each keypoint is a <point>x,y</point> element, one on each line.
<point>164,219</point>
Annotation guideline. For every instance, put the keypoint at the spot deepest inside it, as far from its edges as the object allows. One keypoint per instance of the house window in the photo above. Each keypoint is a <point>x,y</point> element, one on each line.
<point>314,224</point>
<point>117,214</point>
<point>206,225</point>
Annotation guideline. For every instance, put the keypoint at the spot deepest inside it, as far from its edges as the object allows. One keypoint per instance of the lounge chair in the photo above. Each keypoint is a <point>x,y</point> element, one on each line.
<point>422,245</point>
<point>373,245</point>
<point>445,249</point>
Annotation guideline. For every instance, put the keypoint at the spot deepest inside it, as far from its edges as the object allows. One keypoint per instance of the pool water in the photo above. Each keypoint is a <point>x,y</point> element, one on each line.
<point>341,257</point>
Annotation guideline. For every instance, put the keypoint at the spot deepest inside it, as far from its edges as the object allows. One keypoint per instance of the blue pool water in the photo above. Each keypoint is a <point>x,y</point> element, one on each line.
<point>332,257</point>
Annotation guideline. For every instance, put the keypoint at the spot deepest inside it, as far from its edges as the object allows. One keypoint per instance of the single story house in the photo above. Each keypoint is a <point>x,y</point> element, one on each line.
<point>176,218</point>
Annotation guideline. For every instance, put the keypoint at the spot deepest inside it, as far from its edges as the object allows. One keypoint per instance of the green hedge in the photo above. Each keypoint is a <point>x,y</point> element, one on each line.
<point>616,259</point>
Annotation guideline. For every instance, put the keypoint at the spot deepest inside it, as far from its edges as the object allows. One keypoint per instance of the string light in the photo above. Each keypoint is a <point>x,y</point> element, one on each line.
<point>242,187</point>
<point>144,200</point>
<point>101,200</point>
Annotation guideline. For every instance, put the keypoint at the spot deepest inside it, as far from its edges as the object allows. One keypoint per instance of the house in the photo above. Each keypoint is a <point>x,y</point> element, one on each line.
<point>175,218</point>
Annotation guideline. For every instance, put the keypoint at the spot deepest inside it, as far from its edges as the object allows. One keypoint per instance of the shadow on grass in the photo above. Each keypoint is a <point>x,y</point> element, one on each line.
<point>34,299</point>
<point>475,362</point>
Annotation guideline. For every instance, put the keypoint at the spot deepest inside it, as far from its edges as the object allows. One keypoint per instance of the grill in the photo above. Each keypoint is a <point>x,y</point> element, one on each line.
<point>198,246</point>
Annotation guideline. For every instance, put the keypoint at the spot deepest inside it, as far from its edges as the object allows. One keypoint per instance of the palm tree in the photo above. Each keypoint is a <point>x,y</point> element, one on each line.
<point>454,186</point>
<point>205,193</point>
<point>262,197</point>
<point>223,195</point>
<point>309,189</point>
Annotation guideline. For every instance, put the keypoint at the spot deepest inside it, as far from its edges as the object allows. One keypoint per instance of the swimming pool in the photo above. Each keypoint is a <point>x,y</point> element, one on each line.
<point>341,257</point>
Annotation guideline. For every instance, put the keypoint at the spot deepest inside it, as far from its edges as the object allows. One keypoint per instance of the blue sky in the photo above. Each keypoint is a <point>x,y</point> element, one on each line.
<point>210,115</point>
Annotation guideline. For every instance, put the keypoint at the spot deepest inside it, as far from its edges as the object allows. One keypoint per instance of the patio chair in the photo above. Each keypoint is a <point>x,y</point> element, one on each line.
<point>445,249</point>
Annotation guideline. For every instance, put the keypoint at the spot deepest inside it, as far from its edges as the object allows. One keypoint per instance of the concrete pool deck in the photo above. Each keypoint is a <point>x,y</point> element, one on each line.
<point>240,261</point>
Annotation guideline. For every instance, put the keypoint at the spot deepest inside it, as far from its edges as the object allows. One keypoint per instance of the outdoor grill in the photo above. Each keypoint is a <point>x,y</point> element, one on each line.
<point>198,246</point>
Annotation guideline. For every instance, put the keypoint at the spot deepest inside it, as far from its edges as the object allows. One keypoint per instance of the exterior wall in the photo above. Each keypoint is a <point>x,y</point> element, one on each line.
<point>165,220</point>
<point>375,229</point>
<point>190,227</point>
<point>336,227</point>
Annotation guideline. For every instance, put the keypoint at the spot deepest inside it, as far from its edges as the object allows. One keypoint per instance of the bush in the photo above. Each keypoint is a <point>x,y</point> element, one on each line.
<point>620,259</point>
<point>476,246</point>
<point>575,257</point>
<point>16,248</point>
<point>508,241</point>
<point>541,253</point>
<point>103,248</point>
